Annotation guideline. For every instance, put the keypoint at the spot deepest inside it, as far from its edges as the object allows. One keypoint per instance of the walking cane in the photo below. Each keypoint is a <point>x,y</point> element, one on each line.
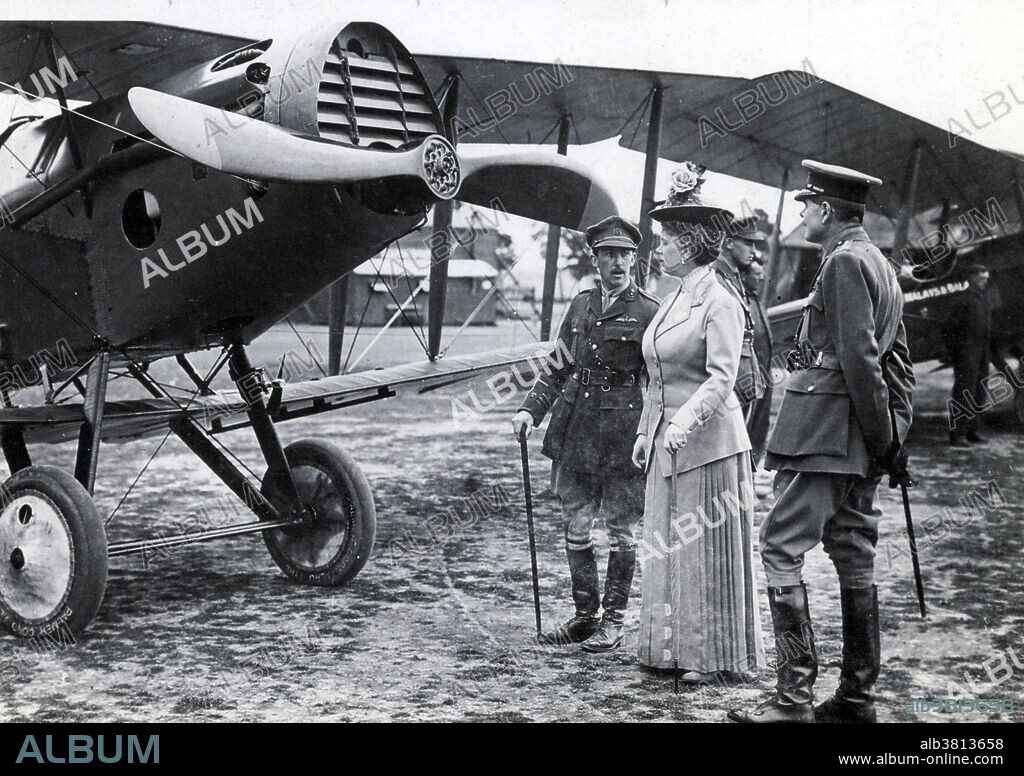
<point>904,483</point>
<point>673,511</point>
<point>529,526</point>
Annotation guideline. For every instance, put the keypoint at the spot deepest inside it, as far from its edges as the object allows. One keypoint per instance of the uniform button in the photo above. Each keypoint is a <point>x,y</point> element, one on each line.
<point>623,336</point>
<point>594,346</point>
<point>810,387</point>
<point>586,395</point>
<point>598,323</point>
<point>631,406</point>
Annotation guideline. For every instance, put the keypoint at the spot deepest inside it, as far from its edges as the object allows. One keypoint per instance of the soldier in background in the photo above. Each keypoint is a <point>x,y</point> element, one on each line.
<point>966,334</point>
<point>759,415</point>
<point>737,254</point>
<point>596,399</point>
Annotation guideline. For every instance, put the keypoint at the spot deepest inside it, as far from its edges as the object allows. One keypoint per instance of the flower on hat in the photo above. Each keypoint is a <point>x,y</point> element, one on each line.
<point>686,183</point>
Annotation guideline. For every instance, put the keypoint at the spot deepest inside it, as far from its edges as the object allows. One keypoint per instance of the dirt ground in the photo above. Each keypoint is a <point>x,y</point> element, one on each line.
<point>439,625</point>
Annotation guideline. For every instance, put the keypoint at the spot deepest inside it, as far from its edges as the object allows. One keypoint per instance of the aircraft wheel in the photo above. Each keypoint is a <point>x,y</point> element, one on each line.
<point>335,545</point>
<point>53,553</point>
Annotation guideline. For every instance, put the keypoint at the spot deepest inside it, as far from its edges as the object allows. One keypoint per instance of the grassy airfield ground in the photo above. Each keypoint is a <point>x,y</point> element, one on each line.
<point>439,624</point>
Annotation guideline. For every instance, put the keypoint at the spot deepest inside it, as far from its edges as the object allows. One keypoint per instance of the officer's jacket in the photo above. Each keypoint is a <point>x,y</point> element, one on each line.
<point>732,282</point>
<point>969,321</point>
<point>763,345</point>
<point>692,350</point>
<point>593,383</point>
<point>835,412</point>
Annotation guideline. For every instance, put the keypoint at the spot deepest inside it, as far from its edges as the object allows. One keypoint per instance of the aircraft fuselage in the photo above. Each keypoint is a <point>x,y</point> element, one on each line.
<point>170,256</point>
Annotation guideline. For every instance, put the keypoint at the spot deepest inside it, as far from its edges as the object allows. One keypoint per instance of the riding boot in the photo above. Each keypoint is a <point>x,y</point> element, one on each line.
<point>585,592</point>
<point>621,564</point>
<point>796,661</point>
<point>854,701</point>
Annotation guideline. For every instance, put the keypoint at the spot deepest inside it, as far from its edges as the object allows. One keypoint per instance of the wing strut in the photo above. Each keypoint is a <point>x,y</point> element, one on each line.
<point>912,176</point>
<point>336,323</point>
<point>69,127</point>
<point>653,151</point>
<point>440,249</point>
<point>1018,190</point>
<point>547,299</point>
<point>775,257</point>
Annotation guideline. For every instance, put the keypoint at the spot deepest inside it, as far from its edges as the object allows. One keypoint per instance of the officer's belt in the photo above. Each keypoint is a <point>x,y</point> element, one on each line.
<point>827,361</point>
<point>606,377</point>
<point>824,361</point>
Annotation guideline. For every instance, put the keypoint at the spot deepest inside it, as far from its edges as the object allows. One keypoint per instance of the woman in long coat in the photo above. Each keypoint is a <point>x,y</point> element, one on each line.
<point>699,609</point>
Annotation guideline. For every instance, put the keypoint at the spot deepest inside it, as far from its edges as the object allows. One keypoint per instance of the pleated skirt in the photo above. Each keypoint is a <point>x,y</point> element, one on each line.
<point>700,605</point>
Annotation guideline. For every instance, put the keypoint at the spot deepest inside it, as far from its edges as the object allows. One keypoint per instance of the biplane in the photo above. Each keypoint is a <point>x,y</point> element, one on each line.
<point>195,188</point>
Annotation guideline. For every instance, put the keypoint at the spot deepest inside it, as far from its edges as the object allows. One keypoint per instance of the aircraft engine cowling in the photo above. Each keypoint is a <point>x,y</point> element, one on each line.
<point>360,87</point>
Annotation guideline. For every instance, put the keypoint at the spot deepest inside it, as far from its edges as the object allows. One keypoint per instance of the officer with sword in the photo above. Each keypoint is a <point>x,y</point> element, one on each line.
<point>596,397</point>
<point>844,416</point>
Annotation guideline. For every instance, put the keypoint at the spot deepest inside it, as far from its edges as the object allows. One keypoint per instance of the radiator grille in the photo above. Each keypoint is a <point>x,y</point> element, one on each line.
<point>373,100</point>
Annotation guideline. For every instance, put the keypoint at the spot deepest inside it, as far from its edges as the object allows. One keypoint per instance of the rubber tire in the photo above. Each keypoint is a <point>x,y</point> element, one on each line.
<point>349,480</point>
<point>88,581</point>
<point>1018,403</point>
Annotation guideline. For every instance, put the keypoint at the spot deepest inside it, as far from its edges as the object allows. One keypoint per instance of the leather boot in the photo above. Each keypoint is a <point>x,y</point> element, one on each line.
<point>621,564</point>
<point>796,661</point>
<point>854,701</point>
<point>585,592</point>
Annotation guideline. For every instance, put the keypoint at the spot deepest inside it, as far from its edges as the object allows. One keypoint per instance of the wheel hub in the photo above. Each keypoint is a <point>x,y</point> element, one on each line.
<point>322,534</point>
<point>36,540</point>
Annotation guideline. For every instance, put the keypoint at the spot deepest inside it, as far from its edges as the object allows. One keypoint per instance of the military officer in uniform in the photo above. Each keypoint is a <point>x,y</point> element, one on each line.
<point>759,416</point>
<point>831,442</point>
<point>737,254</point>
<point>966,333</point>
<point>596,399</point>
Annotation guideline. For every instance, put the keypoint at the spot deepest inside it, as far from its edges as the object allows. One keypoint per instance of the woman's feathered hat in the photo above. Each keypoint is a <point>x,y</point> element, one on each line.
<point>684,202</point>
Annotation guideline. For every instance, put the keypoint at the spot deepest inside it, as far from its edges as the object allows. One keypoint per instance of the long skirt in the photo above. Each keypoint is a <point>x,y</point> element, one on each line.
<point>700,609</point>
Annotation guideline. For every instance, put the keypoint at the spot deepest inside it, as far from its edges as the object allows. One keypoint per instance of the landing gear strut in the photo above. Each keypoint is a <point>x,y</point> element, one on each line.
<point>53,547</point>
<point>315,506</point>
<point>317,483</point>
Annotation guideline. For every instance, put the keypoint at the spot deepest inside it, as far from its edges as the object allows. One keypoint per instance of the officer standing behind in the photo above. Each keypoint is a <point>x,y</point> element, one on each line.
<point>759,417</point>
<point>738,251</point>
<point>597,398</point>
<point>832,440</point>
<point>966,333</point>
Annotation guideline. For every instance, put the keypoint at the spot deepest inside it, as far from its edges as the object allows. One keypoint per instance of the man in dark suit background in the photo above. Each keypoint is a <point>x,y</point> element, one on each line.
<point>759,413</point>
<point>966,333</point>
<point>736,256</point>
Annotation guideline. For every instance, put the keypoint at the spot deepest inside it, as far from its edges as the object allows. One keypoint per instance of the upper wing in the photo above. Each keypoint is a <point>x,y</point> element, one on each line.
<point>749,128</point>
<point>819,120</point>
<point>506,101</point>
<point>137,418</point>
<point>110,56</point>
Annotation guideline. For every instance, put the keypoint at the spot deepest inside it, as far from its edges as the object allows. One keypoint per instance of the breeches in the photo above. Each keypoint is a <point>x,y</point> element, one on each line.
<point>970,367</point>
<point>834,509</point>
<point>585,497</point>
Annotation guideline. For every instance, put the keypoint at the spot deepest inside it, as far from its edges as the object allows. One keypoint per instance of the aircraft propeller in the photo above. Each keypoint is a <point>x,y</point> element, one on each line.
<point>532,183</point>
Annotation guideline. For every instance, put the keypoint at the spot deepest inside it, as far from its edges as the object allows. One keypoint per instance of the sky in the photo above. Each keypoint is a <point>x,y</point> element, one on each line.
<point>931,60</point>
